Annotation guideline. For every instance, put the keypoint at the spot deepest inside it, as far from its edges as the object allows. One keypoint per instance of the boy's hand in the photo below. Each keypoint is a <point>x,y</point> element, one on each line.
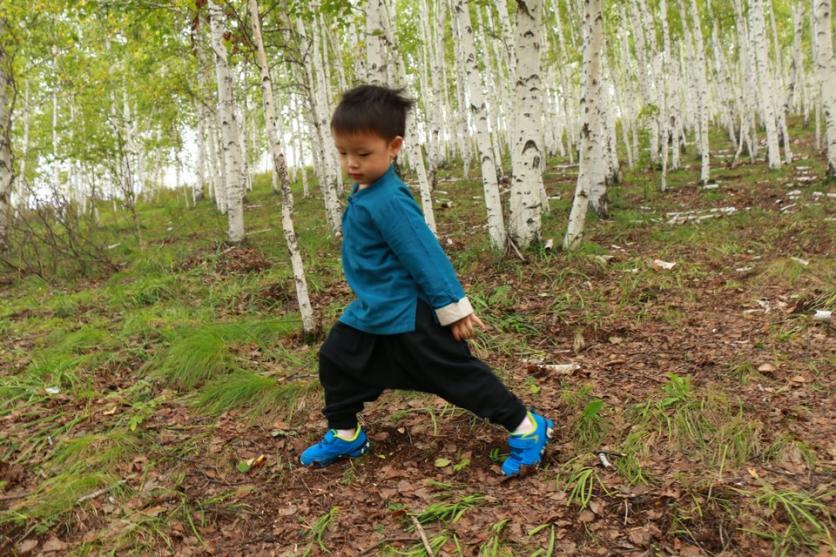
<point>465,327</point>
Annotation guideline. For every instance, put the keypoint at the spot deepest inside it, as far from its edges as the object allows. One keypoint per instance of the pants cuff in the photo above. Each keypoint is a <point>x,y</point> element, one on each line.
<point>348,422</point>
<point>516,418</point>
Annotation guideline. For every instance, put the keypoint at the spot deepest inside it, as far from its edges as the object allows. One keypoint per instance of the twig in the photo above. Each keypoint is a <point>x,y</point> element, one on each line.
<point>423,535</point>
<point>13,497</point>
<point>516,250</point>
<point>99,492</point>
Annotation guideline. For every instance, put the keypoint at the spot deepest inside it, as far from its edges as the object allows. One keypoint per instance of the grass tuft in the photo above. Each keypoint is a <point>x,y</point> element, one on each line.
<point>257,393</point>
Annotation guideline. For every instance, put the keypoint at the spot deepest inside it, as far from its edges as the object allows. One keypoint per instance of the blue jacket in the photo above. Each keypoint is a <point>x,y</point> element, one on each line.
<point>391,259</point>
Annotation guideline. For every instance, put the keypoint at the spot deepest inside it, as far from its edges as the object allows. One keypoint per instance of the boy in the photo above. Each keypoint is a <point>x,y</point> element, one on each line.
<point>407,327</point>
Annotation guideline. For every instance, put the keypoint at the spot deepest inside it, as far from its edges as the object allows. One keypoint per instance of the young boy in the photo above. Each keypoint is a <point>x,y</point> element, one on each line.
<point>407,327</point>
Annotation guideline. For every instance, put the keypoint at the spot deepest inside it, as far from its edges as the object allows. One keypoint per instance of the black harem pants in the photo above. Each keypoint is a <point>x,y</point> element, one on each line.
<point>355,367</point>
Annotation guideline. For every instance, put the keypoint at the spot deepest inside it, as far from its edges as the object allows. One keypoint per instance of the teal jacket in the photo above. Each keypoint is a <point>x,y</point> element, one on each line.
<point>391,259</point>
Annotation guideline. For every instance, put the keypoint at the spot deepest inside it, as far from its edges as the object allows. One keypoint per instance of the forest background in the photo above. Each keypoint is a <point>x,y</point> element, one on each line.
<point>638,196</point>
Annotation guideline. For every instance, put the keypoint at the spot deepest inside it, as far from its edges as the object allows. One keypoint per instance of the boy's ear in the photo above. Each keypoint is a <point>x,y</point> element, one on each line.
<point>395,145</point>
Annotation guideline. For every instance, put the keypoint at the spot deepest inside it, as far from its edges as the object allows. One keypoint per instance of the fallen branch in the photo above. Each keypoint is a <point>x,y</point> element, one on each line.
<point>423,535</point>
<point>99,492</point>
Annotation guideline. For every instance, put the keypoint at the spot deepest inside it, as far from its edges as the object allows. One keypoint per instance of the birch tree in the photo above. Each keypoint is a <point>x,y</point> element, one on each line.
<point>325,164</point>
<point>526,202</point>
<point>411,147</point>
<point>591,149</point>
<point>280,170</point>
<point>6,172</point>
<point>826,75</point>
<point>229,129</point>
<point>702,94</point>
<point>490,185</point>
<point>764,85</point>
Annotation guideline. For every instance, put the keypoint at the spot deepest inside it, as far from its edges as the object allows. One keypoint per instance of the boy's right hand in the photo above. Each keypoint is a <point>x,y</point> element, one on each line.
<point>465,327</point>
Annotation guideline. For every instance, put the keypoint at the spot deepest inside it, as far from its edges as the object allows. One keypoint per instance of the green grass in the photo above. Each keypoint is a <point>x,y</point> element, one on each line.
<point>809,519</point>
<point>252,393</point>
<point>57,496</point>
<point>200,353</point>
<point>448,511</point>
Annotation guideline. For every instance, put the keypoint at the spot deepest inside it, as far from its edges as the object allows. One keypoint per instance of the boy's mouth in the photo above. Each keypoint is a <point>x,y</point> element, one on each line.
<point>355,175</point>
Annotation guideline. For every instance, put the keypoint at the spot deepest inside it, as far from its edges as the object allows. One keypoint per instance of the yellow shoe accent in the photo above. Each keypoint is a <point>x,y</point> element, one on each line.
<point>354,438</point>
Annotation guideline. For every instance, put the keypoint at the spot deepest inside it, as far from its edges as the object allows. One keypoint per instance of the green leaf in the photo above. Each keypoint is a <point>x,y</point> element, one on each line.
<point>442,462</point>
<point>243,466</point>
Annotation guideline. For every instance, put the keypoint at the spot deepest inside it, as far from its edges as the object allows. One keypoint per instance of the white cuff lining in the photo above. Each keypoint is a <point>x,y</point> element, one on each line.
<point>453,312</point>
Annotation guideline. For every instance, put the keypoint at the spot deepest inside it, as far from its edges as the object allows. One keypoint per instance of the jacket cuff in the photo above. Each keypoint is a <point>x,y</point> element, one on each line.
<point>453,312</point>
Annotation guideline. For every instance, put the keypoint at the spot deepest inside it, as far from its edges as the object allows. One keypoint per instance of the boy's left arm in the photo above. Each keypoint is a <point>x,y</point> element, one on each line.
<point>402,226</point>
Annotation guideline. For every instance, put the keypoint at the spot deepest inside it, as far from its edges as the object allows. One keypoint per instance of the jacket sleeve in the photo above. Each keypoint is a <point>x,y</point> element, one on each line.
<point>402,226</point>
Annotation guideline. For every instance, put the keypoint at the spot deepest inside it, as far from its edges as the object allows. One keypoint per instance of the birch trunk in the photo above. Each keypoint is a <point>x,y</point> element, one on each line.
<point>764,85</point>
<point>375,47</point>
<point>490,186</point>
<point>527,153</point>
<point>229,129</point>
<point>24,154</point>
<point>280,170</point>
<point>826,76</point>
<point>591,148</point>
<point>6,172</point>
<point>702,95</point>
<point>411,146</point>
<point>197,191</point>
<point>323,160</point>
<point>507,36</point>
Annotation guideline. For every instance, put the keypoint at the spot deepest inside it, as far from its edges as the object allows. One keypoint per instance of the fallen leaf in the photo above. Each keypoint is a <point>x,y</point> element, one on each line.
<point>153,511</point>
<point>26,546</point>
<point>442,462</point>
<point>586,516</point>
<point>54,544</point>
<point>639,536</point>
<point>766,368</point>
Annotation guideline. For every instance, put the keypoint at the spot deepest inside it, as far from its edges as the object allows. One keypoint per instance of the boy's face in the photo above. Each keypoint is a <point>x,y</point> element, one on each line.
<point>365,156</point>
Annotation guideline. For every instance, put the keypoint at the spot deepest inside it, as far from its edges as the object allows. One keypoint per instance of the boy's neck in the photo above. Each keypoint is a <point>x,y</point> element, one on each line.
<point>364,186</point>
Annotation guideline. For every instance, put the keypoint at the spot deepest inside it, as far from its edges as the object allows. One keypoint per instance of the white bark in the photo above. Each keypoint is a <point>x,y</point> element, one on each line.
<point>507,36</point>
<point>764,83</point>
<point>229,129</point>
<point>6,171</point>
<point>490,186</point>
<point>591,148</point>
<point>327,169</point>
<point>527,151</point>
<point>376,55</point>
<point>280,170</point>
<point>411,146</point>
<point>702,95</point>
<point>197,191</point>
<point>24,152</point>
<point>826,75</point>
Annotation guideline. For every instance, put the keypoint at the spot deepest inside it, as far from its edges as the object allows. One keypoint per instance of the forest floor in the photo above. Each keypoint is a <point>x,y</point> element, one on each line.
<point>162,409</point>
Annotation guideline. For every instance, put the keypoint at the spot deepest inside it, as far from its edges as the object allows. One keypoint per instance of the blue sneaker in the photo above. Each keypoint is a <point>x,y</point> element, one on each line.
<point>333,448</point>
<point>528,449</point>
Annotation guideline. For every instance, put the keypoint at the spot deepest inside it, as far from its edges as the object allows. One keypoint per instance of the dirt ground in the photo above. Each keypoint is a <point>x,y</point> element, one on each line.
<point>733,315</point>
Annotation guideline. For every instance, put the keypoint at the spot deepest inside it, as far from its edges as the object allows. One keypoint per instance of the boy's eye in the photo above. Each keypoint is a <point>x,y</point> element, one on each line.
<point>363,154</point>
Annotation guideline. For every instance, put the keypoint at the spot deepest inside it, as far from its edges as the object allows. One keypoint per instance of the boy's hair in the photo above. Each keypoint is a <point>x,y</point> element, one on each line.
<point>372,108</point>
